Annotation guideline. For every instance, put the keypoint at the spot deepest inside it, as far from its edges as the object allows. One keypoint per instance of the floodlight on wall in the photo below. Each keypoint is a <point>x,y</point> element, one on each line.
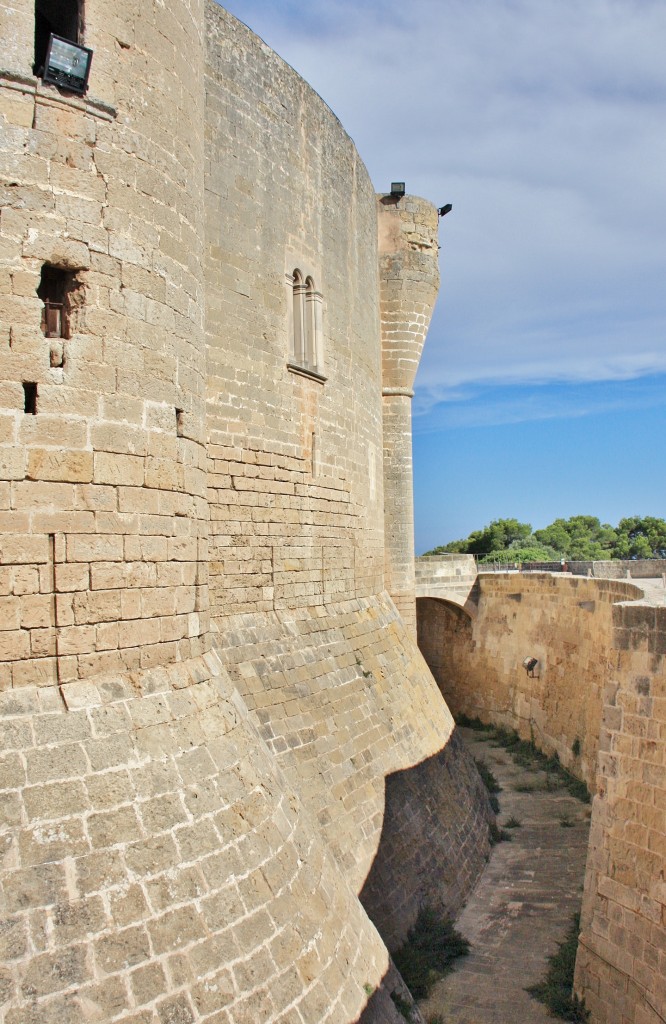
<point>397,188</point>
<point>67,64</point>
<point>531,665</point>
<point>443,210</point>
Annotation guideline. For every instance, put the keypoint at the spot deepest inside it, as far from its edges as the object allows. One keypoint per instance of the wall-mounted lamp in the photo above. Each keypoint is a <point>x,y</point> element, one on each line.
<point>397,188</point>
<point>531,665</point>
<point>67,64</point>
<point>443,210</point>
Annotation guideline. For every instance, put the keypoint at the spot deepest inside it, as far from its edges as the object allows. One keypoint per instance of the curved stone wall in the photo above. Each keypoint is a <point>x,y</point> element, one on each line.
<point>345,702</point>
<point>408,285</point>
<point>621,964</point>
<point>565,622</point>
<point>601,681</point>
<point>159,867</point>
<point>329,672</point>
<point>176,850</point>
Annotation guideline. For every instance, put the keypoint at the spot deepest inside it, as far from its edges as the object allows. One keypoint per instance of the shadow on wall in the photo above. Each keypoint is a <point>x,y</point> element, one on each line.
<point>390,1001</point>
<point>442,627</point>
<point>434,842</point>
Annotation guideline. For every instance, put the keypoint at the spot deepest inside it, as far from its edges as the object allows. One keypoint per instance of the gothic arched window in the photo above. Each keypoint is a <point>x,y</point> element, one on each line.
<point>306,325</point>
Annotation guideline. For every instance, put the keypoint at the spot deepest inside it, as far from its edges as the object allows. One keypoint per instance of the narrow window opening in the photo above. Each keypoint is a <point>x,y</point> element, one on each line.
<point>307,350</point>
<point>62,18</point>
<point>62,295</point>
<point>298,340</point>
<point>314,454</point>
<point>30,398</point>
<point>180,423</point>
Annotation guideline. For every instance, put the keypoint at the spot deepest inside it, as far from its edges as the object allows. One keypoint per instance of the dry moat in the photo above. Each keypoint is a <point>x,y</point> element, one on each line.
<point>524,902</point>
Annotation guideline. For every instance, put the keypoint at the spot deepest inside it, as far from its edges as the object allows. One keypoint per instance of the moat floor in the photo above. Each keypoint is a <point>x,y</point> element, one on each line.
<point>523,903</point>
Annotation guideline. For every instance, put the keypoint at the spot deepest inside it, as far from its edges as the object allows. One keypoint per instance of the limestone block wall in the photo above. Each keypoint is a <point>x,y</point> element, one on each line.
<point>409,282</point>
<point>621,964</point>
<point>451,577</point>
<point>564,622</point>
<point>330,675</point>
<point>600,680</point>
<point>158,867</point>
<point>103,523</point>
<point>295,456</point>
<point>175,850</point>
<point>617,569</point>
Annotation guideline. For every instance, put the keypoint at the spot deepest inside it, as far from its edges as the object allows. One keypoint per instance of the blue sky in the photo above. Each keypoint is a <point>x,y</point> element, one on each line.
<point>542,388</point>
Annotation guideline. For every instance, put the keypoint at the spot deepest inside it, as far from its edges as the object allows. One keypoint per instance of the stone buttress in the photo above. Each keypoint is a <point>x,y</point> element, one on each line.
<point>408,282</point>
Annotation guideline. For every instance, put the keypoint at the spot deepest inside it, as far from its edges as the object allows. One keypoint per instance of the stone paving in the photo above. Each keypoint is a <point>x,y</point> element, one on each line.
<point>523,903</point>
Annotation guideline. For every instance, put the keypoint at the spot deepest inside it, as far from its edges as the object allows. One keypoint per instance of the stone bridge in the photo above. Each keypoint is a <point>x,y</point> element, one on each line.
<point>450,578</point>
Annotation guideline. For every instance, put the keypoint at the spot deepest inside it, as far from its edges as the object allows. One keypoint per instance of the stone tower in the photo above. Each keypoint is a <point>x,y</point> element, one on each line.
<point>103,421</point>
<point>409,282</point>
<point>191,811</point>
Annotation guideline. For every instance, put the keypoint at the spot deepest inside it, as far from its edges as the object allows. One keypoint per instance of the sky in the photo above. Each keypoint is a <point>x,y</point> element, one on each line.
<point>542,387</point>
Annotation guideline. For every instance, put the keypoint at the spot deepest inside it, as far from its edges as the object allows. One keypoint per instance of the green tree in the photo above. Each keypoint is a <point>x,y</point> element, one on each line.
<point>641,537</point>
<point>499,536</point>
<point>529,553</point>
<point>580,537</point>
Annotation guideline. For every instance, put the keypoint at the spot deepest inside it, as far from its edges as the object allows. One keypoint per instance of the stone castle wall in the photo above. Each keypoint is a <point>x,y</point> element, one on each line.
<point>300,615</point>
<point>188,831</point>
<point>600,681</point>
<point>621,964</point>
<point>565,622</point>
<point>104,495</point>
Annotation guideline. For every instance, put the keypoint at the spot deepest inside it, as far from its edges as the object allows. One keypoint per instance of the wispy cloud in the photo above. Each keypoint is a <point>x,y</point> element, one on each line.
<point>543,124</point>
<point>487,406</point>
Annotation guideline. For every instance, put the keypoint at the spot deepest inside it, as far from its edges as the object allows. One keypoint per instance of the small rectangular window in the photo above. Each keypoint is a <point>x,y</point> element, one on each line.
<point>61,292</point>
<point>30,397</point>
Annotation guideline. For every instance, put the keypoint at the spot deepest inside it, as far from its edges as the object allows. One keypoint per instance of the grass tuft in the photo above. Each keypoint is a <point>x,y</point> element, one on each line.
<point>499,835</point>
<point>432,946</point>
<point>555,991</point>
<point>528,755</point>
<point>513,822</point>
<point>473,723</point>
<point>489,780</point>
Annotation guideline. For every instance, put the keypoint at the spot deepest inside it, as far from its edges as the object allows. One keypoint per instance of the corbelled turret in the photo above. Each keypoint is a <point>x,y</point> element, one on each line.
<point>409,282</point>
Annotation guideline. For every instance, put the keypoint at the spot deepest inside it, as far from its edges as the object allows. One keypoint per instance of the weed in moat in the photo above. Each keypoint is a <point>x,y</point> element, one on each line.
<point>498,835</point>
<point>513,822</point>
<point>526,754</point>
<point>489,780</point>
<point>566,822</point>
<point>474,723</point>
<point>556,990</point>
<point>403,1006</point>
<point>432,946</point>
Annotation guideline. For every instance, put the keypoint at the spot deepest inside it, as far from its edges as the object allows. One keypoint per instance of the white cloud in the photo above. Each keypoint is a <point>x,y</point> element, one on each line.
<point>543,124</point>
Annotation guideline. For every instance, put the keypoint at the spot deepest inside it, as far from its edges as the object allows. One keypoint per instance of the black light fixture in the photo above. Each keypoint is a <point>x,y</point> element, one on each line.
<point>530,665</point>
<point>443,210</point>
<point>397,188</point>
<point>67,64</point>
